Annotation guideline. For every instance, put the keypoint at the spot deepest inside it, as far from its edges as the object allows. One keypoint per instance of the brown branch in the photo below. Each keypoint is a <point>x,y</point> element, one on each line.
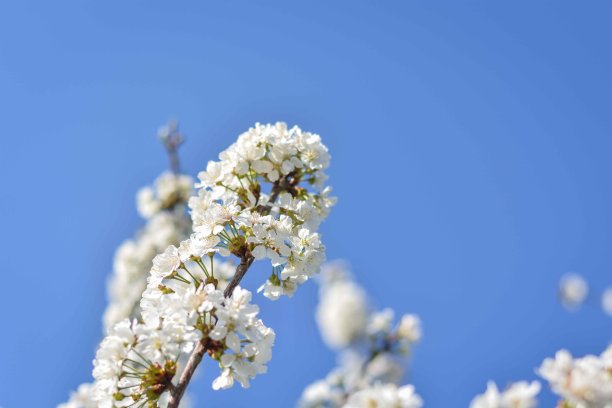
<point>287,183</point>
<point>276,189</point>
<point>172,140</point>
<point>241,270</point>
<point>175,165</point>
<point>177,391</point>
<point>172,144</point>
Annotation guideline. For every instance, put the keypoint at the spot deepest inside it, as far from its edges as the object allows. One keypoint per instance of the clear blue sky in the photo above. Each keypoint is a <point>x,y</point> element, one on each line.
<point>471,152</point>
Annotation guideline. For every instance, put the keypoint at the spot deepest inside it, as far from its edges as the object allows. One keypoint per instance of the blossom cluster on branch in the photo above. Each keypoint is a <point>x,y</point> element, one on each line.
<point>264,199</point>
<point>521,394</point>
<point>582,382</point>
<point>372,349</point>
<point>175,294</point>
<point>164,208</point>
<point>579,382</point>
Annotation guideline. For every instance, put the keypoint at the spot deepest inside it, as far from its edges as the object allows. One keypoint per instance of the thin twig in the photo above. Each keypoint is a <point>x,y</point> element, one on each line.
<point>177,391</point>
<point>241,269</point>
<point>287,183</point>
<point>172,139</point>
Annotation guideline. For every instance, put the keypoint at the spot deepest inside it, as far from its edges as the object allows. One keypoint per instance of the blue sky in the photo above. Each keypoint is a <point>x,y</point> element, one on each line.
<point>471,150</point>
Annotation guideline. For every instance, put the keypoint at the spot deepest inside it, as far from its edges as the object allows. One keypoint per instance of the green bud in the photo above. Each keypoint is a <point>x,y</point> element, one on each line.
<point>164,289</point>
<point>274,280</point>
<point>212,280</point>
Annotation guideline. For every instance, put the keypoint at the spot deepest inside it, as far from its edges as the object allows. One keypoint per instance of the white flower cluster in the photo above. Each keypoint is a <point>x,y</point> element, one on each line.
<point>167,224</point>
<point>385,396</point>
<point>255,203</point>
<point>345,317</point>
<point>372,348</point>
<point>249,342</point>
<point>129,370</point>
<point>342,313</point>
<point>322,394</point>
<point>518,395</point>
<point>137,362</point>
<point>168,191</point>
<point>265,198</point>
<point>182,295</point>
<point>133,258</point>
<point>582,382</point>
<point>164,207</point>
<point>133,262</point>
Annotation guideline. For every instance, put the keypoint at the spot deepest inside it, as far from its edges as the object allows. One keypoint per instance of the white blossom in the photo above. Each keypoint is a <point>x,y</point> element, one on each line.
<point>360,370</point>
<point>409,328</point>
<point>82,398</point>
<point>573,290</point>
<point>185,312</point>
<point>385,396</point>
<point>342,313</point>
<point>380,322</point>
<point>168,190</point>
<point>518,395</point>
<point>584,382</point>
<point>606,301</point>
<point>133,261</point>
<point>321,394</point>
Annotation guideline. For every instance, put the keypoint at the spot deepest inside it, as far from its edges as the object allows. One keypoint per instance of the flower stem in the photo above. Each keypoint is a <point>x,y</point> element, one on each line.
<point>176,392</point>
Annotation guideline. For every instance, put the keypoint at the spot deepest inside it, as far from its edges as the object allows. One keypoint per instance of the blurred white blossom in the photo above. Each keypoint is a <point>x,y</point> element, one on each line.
<point>342,313</point>
<point>81,398</point>
<point>518,395</point>
<point>385,396</point>
<point>606,301</point>
<point>573,290</point>
<point>371,348</point>
<point>169,191</point>
<point>583,382</point>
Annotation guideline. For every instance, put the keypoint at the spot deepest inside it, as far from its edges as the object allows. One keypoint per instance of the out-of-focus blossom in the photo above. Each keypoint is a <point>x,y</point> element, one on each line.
<point>372,349</point>
<point>573,290</point>
<point>606,301</point>
<point>385,396</point>
<point>342,313</point>
<point>582,382</point>
<point>518,395</point>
